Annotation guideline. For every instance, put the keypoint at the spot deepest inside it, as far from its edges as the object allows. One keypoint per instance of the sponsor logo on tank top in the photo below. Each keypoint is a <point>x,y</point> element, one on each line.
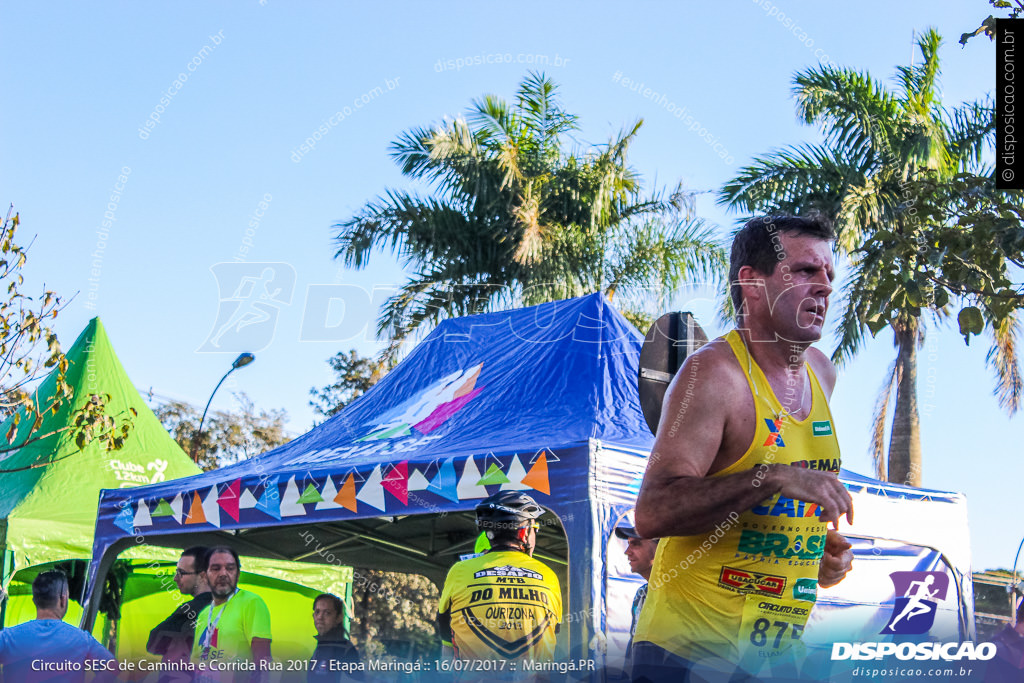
<point>781,546</point>
<point>826,464</point>
<point>775,438</point>
<point>806,589</point>
<point>742,581</point>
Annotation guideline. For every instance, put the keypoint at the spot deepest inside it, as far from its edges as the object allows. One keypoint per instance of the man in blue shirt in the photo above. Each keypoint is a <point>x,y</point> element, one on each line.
<point>46,648</point>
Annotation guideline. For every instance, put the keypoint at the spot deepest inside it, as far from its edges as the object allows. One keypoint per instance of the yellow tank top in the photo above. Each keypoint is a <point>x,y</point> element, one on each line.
<point>744,591</point>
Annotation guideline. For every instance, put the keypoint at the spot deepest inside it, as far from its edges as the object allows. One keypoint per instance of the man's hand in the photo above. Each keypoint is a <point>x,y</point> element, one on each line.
<point>815,486</point>
<point>837,560</point>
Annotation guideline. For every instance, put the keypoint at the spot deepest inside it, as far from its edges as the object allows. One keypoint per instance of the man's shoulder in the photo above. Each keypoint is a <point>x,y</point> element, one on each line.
<point>713,365</point>
<point>248,596</point>
<point>199,602</point>
<point>527,563</point>
<point>501,562</point>
<point>823,368</point>
<point>47,629</point>
<point>716,357</point>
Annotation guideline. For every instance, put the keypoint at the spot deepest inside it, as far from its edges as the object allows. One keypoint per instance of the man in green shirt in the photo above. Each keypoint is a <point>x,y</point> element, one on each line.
<point>232,640</point>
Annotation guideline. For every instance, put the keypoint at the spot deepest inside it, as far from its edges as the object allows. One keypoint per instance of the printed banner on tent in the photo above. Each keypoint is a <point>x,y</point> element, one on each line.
<point>242,501</point>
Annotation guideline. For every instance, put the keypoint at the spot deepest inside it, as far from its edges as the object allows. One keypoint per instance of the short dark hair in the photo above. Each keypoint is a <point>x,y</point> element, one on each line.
<point>756,245</point>
<point>48,587</point>
<point>197,553</point>
<point>335,601</point>
<point>210,552</point>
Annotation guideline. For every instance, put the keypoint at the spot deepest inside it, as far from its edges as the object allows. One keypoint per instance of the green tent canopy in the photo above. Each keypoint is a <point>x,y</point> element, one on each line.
<point>48,511</point>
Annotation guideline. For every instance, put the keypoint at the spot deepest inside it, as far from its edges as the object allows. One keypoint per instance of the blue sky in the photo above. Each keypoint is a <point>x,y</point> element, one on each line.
<point>81,79</point>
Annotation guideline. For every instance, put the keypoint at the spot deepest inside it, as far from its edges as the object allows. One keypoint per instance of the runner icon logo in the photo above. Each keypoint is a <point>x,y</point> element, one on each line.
<point>251,296</point>
<point>917,598</point>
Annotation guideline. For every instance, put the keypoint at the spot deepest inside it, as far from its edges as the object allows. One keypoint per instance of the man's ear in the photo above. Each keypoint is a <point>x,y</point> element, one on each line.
<point>751,281</point>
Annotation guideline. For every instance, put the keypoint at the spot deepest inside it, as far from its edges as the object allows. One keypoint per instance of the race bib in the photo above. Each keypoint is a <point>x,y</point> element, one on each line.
<point>770,633</point>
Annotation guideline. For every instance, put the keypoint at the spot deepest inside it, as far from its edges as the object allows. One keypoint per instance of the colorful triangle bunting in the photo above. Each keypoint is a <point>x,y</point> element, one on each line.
<point>346,497</point>
<point>397,482</point>
<point>270,502</point>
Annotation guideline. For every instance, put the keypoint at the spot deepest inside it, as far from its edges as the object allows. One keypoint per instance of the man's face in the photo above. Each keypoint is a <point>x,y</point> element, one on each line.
<point>325,617</point>
<point>640,553</point>
<point>185,575</point>
<point>222,575</point>
<point>797,292</point>
<point>530,540</point>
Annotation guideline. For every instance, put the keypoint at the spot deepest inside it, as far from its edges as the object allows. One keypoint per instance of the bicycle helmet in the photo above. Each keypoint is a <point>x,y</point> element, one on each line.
<point>507,510</point>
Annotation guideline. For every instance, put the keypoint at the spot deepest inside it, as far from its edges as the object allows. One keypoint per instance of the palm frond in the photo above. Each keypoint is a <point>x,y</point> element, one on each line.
<point>970,125</point>
<point>665,255</point>
<point>793,180</point>
<point>878,420</point>
<point>1003,359</point>
<point>855,111</point>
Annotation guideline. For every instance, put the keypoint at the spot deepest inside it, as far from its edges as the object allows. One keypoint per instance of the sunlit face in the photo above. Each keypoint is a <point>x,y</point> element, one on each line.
<point>222,575</point>
<point>325,617</point>
<point>185,576</point>
<point>530,540</point>
<point>795,297</point>
<point>640,553</point>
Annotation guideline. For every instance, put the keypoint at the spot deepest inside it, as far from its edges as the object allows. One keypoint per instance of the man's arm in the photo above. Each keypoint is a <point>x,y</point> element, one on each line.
<point>444,632</point>
<point>261,650</point>
<point>708,421</point>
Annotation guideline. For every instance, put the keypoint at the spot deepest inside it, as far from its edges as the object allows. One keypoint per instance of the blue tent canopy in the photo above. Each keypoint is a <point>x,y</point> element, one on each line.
<point>541,399</point>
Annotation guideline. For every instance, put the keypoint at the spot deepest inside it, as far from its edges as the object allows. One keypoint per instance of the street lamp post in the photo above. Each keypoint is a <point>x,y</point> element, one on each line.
<point>240,362</point>
<point>1013,586</point>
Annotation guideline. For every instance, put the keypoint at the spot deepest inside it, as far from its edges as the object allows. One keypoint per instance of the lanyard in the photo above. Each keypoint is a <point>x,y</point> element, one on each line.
<point>212,627</point>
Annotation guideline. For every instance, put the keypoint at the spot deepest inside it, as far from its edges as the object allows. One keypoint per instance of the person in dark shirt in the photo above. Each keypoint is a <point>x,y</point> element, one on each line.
<point>331,643</point>
<point>172,638</point>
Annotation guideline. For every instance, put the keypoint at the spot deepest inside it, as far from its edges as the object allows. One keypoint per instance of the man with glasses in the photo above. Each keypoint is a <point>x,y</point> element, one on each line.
<point>502,604</point>
<point>173,638</point>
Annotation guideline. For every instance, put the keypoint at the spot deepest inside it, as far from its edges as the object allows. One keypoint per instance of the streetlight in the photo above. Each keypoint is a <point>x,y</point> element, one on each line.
<point>240,362</point>
<point>1013,586</point>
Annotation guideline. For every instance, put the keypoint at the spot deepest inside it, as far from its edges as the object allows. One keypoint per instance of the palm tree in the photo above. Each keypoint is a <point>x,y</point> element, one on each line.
<point>520,215</point>
<point>877,143</point>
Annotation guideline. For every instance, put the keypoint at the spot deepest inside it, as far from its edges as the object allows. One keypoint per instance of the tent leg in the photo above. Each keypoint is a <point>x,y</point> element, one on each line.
<point>3,593</point>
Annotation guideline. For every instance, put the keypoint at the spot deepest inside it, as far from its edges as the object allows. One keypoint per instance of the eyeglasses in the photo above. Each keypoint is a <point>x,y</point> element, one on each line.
<point>181,572</point>
<point>534,525</point>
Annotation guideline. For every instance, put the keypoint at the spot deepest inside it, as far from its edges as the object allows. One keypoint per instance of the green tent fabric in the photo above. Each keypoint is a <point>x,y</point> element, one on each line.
<point>49,491</point>
<point>48,512</point>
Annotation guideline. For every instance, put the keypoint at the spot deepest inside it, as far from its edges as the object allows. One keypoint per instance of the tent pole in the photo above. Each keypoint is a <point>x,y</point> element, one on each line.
<point>3,592</point>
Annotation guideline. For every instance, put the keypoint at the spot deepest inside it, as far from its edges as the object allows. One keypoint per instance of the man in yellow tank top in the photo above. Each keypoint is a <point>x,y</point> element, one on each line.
<point>743,477</point>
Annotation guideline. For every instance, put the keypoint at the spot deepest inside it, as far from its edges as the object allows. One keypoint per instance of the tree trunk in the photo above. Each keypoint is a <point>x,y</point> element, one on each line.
<point>905,440</point>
